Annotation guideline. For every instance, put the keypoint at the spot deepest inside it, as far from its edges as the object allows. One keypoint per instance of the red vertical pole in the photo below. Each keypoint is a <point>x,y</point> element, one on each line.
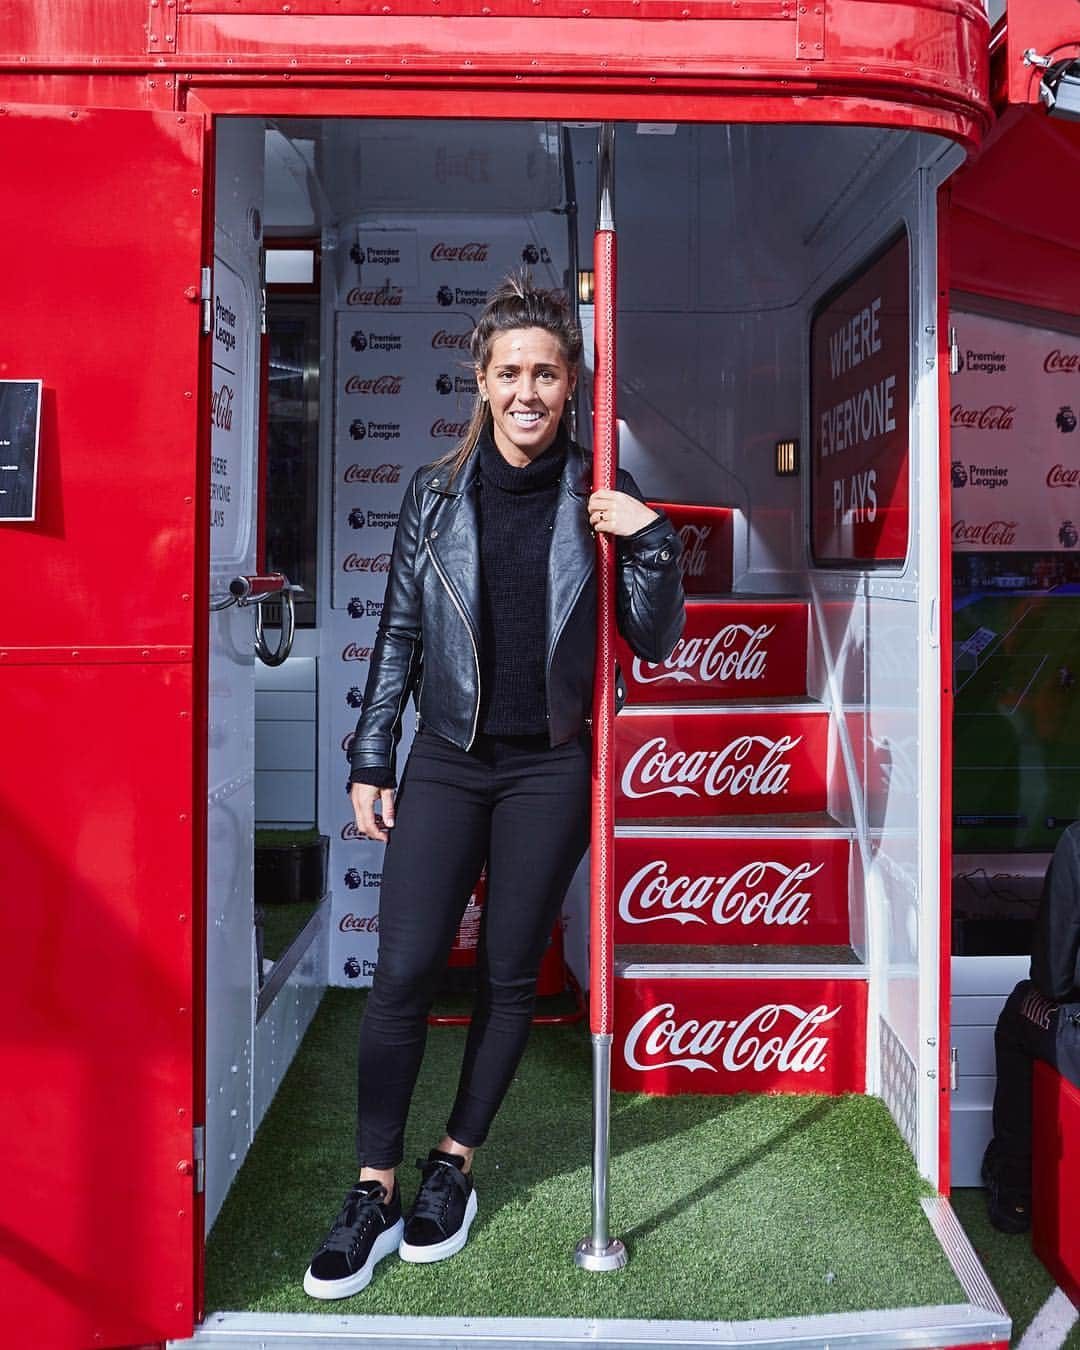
<point>602,889</point>
<point>600,1251</point>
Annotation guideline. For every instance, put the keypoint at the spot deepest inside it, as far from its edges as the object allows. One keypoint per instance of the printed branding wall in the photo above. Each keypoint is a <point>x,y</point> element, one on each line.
<point>1015,439</point>
<point>406,296</point>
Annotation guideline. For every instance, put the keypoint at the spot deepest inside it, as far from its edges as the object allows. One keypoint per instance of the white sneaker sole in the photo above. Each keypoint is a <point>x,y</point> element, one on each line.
<point>439,1251</point>
<point>383,1245</point>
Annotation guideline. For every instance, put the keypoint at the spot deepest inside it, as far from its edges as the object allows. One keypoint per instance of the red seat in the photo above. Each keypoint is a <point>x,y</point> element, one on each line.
<point>1055,1231</point>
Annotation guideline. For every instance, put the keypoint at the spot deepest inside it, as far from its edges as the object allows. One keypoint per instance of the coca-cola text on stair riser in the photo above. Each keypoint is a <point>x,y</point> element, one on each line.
<point>743,650</point>
<point>723,1036</point>
<point>722,890</point>
<point>699,765</point>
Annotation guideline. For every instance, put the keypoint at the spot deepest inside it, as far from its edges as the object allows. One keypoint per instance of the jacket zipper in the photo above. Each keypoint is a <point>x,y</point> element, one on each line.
<point>558,635</point>
<point>468,629</point>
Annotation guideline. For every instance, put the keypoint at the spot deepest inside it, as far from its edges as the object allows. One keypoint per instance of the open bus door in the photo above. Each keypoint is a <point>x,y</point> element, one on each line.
<point>103,231</point>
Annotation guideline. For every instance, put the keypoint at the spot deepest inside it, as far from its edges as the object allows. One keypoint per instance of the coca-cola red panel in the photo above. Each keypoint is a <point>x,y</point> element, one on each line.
<point>732,891</point>
<point>703,764</point>
<point>706,534</point>
<point>726,651</point>
<point>721,1036</point>
<point>859,397</point>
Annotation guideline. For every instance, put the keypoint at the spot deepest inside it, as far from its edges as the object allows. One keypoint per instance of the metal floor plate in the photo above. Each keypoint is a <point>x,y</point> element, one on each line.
<point>982,1321</point>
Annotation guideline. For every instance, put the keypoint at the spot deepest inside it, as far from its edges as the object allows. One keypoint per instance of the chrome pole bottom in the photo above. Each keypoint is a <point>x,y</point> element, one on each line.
<point>600,1251</point>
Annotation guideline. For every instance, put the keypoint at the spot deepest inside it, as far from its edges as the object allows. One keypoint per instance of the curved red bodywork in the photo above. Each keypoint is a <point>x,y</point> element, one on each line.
<point>104,667</point>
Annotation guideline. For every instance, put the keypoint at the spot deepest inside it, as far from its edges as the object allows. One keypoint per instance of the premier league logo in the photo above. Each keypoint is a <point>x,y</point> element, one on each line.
<point>356,520</point>
<point>358,342</point>
<point>358,430</point>
<point>355,697</point>
<point>353,879</point>
<point>444,295</point>
<point>444,384</point>
<point>352,968</point>
<point>1066,419</point>
<point>1068,534</point>
<point>959,474</point>
<point>355,608</point>
<point>356,253</point>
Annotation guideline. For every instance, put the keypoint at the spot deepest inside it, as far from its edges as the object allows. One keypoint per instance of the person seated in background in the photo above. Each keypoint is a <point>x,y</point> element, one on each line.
<point>1040,1020</point>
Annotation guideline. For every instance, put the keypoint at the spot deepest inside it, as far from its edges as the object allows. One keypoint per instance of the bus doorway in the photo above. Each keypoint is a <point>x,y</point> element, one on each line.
<point>777,289</point>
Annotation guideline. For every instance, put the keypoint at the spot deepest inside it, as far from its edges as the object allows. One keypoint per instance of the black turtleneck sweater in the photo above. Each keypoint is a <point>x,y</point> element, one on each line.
<point>517,513</point>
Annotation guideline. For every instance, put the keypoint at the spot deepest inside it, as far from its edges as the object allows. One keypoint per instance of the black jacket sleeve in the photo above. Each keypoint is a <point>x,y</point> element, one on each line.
<point>1055,954</point>
<point>395,659</point>
<point>649,604</point>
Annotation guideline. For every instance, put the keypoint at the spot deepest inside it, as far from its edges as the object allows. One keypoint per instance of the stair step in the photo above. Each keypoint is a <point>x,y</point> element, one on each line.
<point>777,824</point>
<point>716,760</point>
<point>796,1033</point>
<point>707,534</point>
<point>764,888</point>
<point>728,648</point>
<point>635,961</point>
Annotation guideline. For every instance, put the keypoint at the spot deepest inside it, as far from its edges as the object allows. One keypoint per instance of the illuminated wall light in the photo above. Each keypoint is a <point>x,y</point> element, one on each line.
<point>787,459</point>
<point>586,285</point>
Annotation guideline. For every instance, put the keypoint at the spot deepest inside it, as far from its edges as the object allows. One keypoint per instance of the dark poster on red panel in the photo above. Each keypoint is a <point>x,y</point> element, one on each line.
<point>860,341</point>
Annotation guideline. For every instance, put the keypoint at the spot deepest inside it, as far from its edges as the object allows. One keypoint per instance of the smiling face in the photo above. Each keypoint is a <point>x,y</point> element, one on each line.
<point>527,382</point>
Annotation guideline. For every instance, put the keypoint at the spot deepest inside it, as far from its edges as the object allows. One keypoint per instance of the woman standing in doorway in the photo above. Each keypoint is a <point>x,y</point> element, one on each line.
<point>489,619</point>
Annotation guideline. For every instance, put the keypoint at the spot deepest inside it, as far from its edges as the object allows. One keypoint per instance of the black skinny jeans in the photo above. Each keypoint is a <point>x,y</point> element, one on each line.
<point>522,807</point>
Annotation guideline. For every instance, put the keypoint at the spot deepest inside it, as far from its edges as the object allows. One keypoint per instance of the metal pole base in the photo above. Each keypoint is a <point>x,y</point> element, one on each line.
<point>589,1257</point>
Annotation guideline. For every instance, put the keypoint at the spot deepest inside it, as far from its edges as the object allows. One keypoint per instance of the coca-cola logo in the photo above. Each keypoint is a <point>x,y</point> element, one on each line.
<point>380,384</point>
<point>443,341</point>
<point>734,652</point>
<point>368,473</point>
<point>993,533</point>
<point>385,295</point>
<point>1061,477</point>
<point>658,1041</point>
<point>694,558</point>
<point>353,652</point>
<point>359,923</point>
<point>758,892</point>
<point>356,562</point>
<point>461,253</point>
<point>221,405</point>
<point>454,430</point>
<point>1058,362</point>
<point>350,831</point>
<point>751,764</point>
<point>995,417</point>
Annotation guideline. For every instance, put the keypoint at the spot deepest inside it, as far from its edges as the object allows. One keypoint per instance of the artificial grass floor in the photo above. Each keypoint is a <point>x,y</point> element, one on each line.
<point>1022,1281</point>
<point>731,1207</point>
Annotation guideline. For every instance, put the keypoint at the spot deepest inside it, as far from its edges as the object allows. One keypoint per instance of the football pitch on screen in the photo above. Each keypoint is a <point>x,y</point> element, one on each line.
<point>1016,779</point>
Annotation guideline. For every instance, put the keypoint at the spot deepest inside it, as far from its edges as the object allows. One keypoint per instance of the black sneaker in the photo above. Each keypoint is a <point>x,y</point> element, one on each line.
<point>363,1233</point>
<point>445,1206</point>
<point>1008,1192</point>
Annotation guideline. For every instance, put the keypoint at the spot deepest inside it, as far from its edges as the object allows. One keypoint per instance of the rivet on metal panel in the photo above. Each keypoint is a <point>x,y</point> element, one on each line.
<point>151,84</point>
<point>74,653</point>
<point>169,37</point>
<point>194,192</point>
<point>153,37</point>
<point>184,1167</point>
<point>348,59</point>
<point>181,1213</point>
<point>182,1011</point>
<point>183,653</point>
<point>145,652</point>
<point>181,120</point>
<point>179,1307</point>
<point>188,393</point>
<point>181,918</point>
<point>73,113</point>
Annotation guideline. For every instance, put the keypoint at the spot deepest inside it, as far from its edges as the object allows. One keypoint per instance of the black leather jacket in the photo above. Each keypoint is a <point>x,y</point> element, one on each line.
<point>428,644</point>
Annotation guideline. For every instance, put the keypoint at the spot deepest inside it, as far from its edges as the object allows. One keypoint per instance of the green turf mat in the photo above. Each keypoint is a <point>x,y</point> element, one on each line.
<point>732,1207</point>
<point>1020,1278</point>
